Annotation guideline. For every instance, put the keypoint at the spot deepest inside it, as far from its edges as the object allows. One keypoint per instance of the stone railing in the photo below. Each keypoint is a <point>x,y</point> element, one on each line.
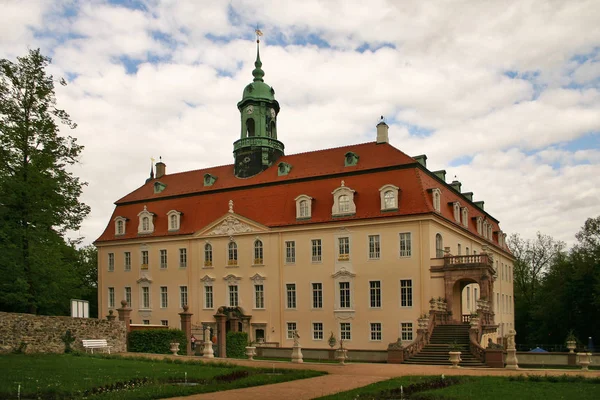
<point>474,346</point>
<point>468,261</point>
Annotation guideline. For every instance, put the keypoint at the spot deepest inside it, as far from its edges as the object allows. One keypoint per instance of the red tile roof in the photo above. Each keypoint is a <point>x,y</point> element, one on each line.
<point>269,199</point>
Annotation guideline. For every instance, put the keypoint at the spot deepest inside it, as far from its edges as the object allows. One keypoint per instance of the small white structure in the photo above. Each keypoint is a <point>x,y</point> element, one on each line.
<point>80,308</point>
<point>207,351</point>
<point>297,349</point>
<point>511,351</point>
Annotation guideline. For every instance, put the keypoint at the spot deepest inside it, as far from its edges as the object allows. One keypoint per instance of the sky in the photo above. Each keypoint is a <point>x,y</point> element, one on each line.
<point>503,95</point>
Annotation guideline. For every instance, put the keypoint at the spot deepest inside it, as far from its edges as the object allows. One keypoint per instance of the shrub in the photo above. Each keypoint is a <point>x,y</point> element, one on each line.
<point>236,344</point>
<point>156,341</point>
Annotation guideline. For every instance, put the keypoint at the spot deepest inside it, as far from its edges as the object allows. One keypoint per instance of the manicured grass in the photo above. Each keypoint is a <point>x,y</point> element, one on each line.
<point>486,388</point>
<point>57,376</point>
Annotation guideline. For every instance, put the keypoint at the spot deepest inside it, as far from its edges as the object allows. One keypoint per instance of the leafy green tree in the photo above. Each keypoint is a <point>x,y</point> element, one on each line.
<point>39,197</point>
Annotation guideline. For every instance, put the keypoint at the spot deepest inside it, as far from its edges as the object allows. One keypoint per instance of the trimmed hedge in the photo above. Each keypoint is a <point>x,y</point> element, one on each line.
<point>156,341</point>
<point>236,344</point>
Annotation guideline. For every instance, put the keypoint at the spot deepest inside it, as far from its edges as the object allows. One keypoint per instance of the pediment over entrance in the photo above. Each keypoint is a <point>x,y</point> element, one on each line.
<point>231,224</point>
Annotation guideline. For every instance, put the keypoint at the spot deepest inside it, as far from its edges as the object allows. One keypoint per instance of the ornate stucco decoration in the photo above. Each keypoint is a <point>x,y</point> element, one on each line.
<point>344,315</point>
<point>257,279</point>
<point>343,273</point>
<point>207,280</point>
<point>230,226</point>
<point>231,279</point>
<point>144,279</point>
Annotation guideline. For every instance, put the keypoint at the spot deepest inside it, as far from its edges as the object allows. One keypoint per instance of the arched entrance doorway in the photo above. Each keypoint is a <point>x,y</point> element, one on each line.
<point>465,294</point>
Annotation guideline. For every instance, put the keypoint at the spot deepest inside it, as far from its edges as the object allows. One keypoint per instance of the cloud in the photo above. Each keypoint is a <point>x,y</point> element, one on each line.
<point>508,92</point>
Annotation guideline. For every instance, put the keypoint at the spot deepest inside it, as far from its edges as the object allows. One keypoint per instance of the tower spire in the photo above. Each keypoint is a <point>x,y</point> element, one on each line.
<point>258,73</point>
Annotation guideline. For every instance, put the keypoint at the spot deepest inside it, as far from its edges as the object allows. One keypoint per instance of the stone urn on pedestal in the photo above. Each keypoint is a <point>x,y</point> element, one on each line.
<point>250,352</point>
<point>174,348</point>
<point>455,358</point>
<point>341,354</point>
<point>584,359</point>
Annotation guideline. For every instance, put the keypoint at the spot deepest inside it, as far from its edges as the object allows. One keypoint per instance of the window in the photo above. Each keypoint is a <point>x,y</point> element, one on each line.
<point>405,244</point>
<point>389,197</point>
<point>111,261</point>
<point>145,297</point>
<point>127,256</point>
<point>407,331</point>
<point>467,251</point>
<point>479,225</point>
<point>343,249</point>
<point>163,259</point>
<point>456,207</point>
<point>345,331</point>
<point>120,225</point>
<point>375,293</point>
<point>303,206</point>
<point>258,252</point>
<point>374,247</point>
<point>146,322</point>
<point>145,223</point>
<point>468,298</point>
<point>144,259</point>
<point>459,249</point>
<point>164,297</point>
<point>208,297</point>
<point>291,295</point>
<point>259,296</point>
<point>291,328</point>
<point>232,255</point>
<point>290,252</point>
<point>344,294</point>
<point>437,195</point>
<point>208,259</point>
<point>317,291</point>
<point>233,296</point>
<point>128,295</point>
<point>182,258</point>
<point>174,220</point>
<point>164,322</point>
<point>375,331</point>
<point>111,297</point>
<point>317,330</point>
<point>439,246</point>
<point>316,250</point>
<point>406,292</point>
<point>465,216</point>
<point>343,201</point>
<point>183,296</point>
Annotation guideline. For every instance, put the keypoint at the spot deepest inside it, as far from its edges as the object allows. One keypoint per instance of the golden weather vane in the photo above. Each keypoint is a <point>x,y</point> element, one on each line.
<point>258,34</point>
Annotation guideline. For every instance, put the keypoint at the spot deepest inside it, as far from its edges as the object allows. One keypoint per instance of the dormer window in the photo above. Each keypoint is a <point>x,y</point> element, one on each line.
<point>465,216</point>
<point>283,168</point>
<point>159,187</point>
<point>343,201</point>
<point>456,206</point>
<point>350,159</point>
<point>437,199</point>
<point>209,179</point>
<point>485,229</point>
<point>490,233</point>
<point>389,197</point>
<point>303,207</point>
<point>174,220</point>
<point>146,224</point>
<point>120,224</point>
<point>480,225</point>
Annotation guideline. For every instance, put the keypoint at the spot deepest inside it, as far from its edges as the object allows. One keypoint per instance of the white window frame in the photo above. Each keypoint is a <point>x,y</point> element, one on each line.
<point>374,243</point>
<point>375,331</point>
<point>183,296</point>
<point>145,258</point>
<point>232,254</point>
<point>174,220</point>
<point>209,297</point>
<point>163,259</point>
<point>409,293</point>
<point>479,225</point>
<point>164,322</point>
<point>343,248</point>
<point>439,245</point>
<point>291,296</point>
<point>405,244</point>
<point>150,227</point>
<point>436,198</point>
<point>345,334</point>
<point>303,207</point>
<point>111,262</point>
<point>375,294</point>
<point>164,297</point>
<point>183,257</point>
<point>393,191</point>
<point>290,252</point>
<point>146,303</point>
<point>127,260</point>
<point>111,297</point>
<point>345,292</point>
<point>233,293</point>
<point>315,331</point>
<point>337,210</point>
<point>406,330</point>
<point>127,295</point>
<point>120,221</point>
<point>260,292</point>
<point>258,252</point>
<point>208,255</point>
<point>465,216</point>
<point>317,295</point>
<point>316,244</point>
<point>456,207</point>
<point>291,326</point>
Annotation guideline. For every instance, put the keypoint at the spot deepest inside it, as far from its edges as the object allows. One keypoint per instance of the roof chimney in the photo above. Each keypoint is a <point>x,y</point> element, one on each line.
<point>382,131</point>
<point>422,159</point>
<point>161,168</point>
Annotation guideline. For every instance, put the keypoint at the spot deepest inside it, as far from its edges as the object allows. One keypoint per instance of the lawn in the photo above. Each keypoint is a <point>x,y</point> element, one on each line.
<point>58,376</point>
<point>481,388</point>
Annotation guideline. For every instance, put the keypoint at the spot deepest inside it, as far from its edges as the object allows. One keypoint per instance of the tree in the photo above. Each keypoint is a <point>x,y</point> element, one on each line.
<point>39,197</point>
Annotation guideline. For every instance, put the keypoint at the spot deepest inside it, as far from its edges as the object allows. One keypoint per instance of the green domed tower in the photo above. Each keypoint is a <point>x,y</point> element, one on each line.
<point>258,147</point>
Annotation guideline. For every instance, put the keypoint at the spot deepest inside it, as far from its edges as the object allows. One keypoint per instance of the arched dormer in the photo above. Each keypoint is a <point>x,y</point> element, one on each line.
<point>303,207</point>
<point>456,209</point>
<point>350,159</point>
<point>388,197</point>
<point>465,216</point>
<point>343,201</point>
<point>479,223</point>
<point>120,225</point>
<point>146,222</point>
<point>174,218</point>
<point>436,195</point>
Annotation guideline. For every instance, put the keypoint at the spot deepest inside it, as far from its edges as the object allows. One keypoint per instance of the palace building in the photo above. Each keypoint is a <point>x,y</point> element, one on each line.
<point>351,242</point>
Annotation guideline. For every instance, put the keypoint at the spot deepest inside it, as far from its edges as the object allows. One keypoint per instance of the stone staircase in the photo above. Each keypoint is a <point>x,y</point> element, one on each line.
<point>436,352</point>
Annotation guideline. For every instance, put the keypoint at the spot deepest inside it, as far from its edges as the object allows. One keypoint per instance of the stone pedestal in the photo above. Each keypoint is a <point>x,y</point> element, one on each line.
<point>124,314</point>
<point>110,316</point>
<point>207,350</point>
<point>186,326</point>
<point>297,354</point>
<point>221,339</point>
<point>511,351</point>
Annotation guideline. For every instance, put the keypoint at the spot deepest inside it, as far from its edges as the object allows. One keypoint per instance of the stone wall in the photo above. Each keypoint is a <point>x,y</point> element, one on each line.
<point>323,354</point>
<point>42,334</point>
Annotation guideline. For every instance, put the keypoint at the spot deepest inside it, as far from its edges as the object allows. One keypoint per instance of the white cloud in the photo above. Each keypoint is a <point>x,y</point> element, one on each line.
<point>446,74</point>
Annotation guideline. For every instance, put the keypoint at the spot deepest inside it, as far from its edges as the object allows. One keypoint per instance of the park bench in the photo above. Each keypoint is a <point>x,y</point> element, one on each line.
<point>91,344</point>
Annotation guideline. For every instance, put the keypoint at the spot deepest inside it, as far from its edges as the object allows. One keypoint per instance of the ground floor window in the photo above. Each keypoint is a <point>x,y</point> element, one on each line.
<point>407,331</point>
<point>291,328</point>
<point>345,332</point>
<point>317,330</point>
<point>376,331</point>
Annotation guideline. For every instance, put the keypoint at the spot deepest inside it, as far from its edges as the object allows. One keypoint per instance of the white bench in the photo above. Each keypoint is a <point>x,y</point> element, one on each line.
<point>91,344</point>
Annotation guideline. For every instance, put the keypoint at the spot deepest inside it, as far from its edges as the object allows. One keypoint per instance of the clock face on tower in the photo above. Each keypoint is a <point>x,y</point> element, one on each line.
<point>249,109</point>
<point>272,113</point>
